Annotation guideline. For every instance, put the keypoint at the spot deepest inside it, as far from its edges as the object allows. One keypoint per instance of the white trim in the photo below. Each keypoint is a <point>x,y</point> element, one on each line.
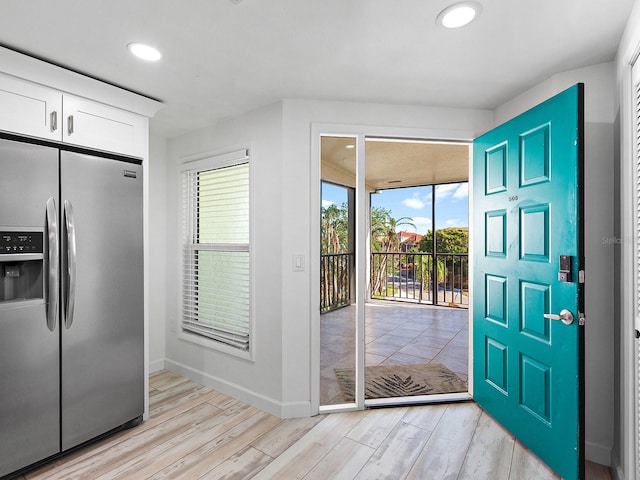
<point>632,348</point>
<point>38,71</point>
<point>157,365</point>
<point>470,263</point>
<point>624,461</point>
<point>204,161</point>
<point>262,402</point>
<point>362,280</point>
<point>213,160</point>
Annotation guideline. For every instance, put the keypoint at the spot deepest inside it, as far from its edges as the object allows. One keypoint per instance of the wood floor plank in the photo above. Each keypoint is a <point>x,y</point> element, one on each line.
<point>395,457</point>
<point>426,417</point>
<point>164,454</point>
<point>166,380</point>
<point>166,399</point>
<point>97,464</point>
<point>525,464</point>
<point>245,464</point>
<point>302,456</point>
<point>376,426</point>
<point>344,461</point>
<point>215,451</point>
<point>195,432</point>
<point>444,453</point>
<point>593,471</point>
<point>489,454</point>
<point>285,434</point>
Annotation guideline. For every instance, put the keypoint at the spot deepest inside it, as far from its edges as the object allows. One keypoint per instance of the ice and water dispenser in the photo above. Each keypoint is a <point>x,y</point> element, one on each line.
<point>21,265</point>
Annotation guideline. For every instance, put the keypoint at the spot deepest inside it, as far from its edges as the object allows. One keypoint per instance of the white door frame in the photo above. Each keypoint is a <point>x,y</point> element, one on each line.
<point>630,351</point>
<point>360,132</point>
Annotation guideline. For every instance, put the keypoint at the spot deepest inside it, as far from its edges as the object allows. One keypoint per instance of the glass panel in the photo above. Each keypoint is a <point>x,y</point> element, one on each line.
<point>414,347</point>
<point>337,262</point>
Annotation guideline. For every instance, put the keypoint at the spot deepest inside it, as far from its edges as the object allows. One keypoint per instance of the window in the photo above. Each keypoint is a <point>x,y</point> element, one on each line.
<point>216,251</point>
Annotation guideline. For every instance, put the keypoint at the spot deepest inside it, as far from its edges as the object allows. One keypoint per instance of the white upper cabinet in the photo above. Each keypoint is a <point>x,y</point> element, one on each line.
<point>34,110</point>
<point>98,126</point>
<point>30,109</point>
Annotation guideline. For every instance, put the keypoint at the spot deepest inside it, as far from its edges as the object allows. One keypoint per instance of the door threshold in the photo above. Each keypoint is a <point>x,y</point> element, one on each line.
<point>418,399</point>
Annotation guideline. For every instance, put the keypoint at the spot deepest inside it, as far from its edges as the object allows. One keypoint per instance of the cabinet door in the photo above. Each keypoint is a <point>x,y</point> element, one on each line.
<point>99,126</point>
<point>29,109</point>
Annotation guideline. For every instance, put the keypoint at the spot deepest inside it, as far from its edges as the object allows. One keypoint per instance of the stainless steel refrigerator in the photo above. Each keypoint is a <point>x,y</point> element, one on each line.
<point>71,299</point>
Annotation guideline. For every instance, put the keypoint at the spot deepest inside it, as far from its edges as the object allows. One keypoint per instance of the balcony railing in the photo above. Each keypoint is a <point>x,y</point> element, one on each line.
<point>398,276</point>
<point>335,280</point>
<point>410,277</point>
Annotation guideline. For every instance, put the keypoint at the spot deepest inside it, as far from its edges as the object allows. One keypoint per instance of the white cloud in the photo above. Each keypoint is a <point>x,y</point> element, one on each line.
<point>453,222</point>
<point>446,190</point>
<point>414,202</point>
<point>457,191</point>
<point>327,203</point>
<point>462,191</point>
<point>423,224</point>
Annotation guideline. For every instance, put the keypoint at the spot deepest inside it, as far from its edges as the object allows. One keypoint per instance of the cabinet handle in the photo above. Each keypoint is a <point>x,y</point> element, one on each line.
<point>70,124</point>
<point>54,121</point>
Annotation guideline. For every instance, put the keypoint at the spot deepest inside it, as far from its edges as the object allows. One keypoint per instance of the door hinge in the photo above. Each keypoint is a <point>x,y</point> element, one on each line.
<point>581,276</point>
<point>581,319</point>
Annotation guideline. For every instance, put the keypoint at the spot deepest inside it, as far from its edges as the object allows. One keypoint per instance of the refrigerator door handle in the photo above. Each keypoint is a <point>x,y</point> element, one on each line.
<point>71,264</point>
<point>53,264</point>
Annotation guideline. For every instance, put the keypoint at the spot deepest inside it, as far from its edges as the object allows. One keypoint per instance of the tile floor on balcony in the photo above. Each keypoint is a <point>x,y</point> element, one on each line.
<point>396,334</point>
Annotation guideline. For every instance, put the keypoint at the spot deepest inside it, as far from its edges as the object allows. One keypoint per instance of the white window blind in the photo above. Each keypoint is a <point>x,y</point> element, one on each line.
<point>216,250</point>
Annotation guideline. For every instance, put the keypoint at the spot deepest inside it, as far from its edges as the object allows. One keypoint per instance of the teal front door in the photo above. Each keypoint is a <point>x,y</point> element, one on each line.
<point>527,282</point>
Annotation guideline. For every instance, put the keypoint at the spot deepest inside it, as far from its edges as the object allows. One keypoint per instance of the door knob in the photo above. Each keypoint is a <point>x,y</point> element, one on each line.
<point>565,315</point>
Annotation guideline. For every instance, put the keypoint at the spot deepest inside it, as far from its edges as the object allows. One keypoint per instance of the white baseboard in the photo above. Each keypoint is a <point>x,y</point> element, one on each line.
<point>617,471</point>
<point>597,454</point>
<point>156,365</point>
<point>266,404</point>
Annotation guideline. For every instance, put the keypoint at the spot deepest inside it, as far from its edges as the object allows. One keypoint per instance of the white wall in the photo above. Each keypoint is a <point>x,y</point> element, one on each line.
<point>258,382</point>
<point>301,209</point>
<point>286,211</point>
<point>157,251</point>
<point>626,450</point>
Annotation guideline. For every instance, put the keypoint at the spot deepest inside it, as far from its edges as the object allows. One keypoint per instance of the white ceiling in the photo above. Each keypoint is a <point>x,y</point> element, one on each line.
<point>394,163</point>
<point>222,58</point>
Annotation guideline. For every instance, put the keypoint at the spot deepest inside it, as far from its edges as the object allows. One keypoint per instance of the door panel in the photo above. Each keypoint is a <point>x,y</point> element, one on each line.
<point>527,203</point>
<point>102,359</point>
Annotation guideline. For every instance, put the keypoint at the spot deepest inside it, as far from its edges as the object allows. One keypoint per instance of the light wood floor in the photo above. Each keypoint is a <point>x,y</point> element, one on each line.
<point>194,432</point>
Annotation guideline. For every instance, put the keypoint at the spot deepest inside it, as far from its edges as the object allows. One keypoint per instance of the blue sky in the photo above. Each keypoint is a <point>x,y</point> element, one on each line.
<point>452,204</point>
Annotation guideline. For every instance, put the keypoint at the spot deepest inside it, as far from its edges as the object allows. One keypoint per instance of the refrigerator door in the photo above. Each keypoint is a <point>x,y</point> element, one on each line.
<point>29,350</point>
<point>102,334</point>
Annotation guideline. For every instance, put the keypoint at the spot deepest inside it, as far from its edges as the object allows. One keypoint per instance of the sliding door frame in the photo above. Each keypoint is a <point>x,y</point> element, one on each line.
<point>361,250</point>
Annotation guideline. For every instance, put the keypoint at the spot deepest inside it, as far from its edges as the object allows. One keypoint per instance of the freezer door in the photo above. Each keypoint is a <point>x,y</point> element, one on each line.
<point>28,177</point>
<point>102,290</point>
<point>29,350</point>
<point>29,388</point>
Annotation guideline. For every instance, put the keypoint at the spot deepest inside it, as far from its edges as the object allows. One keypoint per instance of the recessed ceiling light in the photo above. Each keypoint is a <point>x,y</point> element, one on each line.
<point>351,145</point>
<point>459,14</point>
<point>145,52</point>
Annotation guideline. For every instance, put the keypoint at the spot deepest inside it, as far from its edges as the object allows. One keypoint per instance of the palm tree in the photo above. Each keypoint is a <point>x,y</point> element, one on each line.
<point>384,238</point>
<point>334,229</point>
